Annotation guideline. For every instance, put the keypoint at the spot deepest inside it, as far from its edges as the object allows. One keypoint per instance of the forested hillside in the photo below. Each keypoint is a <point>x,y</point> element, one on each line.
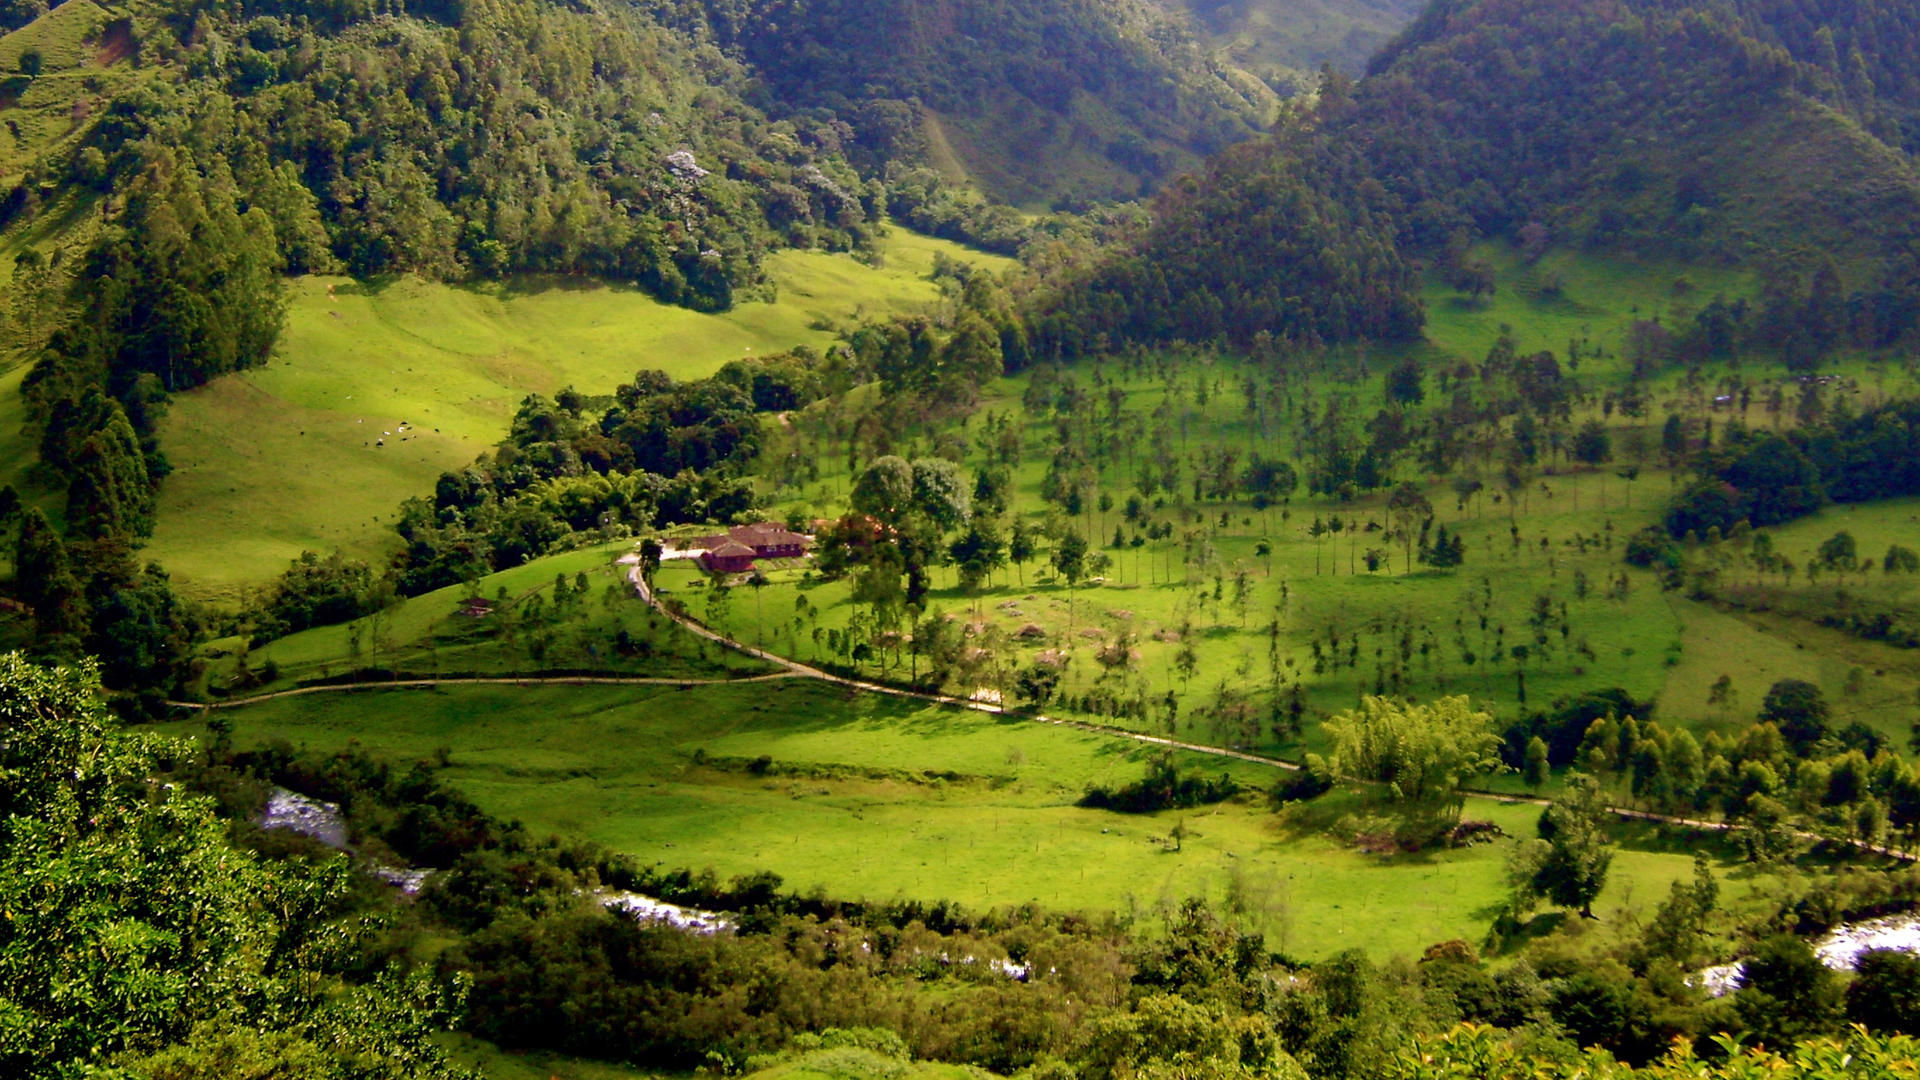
<point>1040,100</point>
<point>1752,135</point>
<point>1625,124</point>
<point>1285,43</point>
<point>1275,243</point>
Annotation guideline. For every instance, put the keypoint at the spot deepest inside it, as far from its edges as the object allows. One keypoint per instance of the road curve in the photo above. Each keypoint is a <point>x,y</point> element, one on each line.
<point>524,680</point>
<point>795,668</point>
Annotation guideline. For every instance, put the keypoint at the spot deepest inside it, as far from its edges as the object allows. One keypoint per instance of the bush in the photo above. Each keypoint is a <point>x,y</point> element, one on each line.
<point>1162,788</point>
<point>1311,782</point>
<point>1885,992</point>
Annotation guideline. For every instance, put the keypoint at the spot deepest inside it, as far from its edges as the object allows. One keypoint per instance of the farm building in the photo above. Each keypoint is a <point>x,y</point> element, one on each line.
<point>734,551</point>
<point>770,541</point>
<point>728,557</point>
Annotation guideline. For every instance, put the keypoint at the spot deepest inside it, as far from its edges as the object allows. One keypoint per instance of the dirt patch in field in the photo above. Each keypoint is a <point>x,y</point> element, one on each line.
<point>116,43</point>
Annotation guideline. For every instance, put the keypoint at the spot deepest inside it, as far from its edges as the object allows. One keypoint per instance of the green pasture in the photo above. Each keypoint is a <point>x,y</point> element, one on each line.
<point>1162,606</point>
<point>1569,296</point>
<point>525,631</point>
<point>1247,618</point>
<point>1162,594</point>
<point>867,796</point>
<point>308,452</point>
<point>1775,634</point>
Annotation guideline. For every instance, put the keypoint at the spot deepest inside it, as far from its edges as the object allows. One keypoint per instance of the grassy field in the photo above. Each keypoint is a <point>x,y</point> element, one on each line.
<point>523,631</point>
<point>1543,569</point>
<point>289,457</point>
<point>879,798</point>
<point>1772,629</point>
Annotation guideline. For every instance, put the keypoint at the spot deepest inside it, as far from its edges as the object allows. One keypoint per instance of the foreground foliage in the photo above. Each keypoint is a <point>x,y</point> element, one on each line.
<point>135,934</point>
<point>1481,1053</point>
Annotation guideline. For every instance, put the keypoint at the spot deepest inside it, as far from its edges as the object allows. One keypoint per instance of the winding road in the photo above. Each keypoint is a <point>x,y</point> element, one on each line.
<point>794,669</point>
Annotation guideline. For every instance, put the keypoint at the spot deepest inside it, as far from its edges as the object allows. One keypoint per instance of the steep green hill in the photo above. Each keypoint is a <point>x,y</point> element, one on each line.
<point>1662,128</point>
<point>1627,123</point>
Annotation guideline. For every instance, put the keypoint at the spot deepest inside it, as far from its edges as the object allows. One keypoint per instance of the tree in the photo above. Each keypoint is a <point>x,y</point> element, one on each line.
<point>1409,509</point>
<point>1420,753</point>
<point>1070,559</point>
<point>135,928</point>
<point>1570,860</point>
<point>1840,553</point>
<point>1037,683</point>
<point>978,552</point>
<point>109,489</point>
<point>1592,445</point>
<point>1449,550</point>
<point>1885,992</point>
<point>1900,559</point>
<point>1673,437</point>
<point>1537,768</point>
<point>940,494</point>
<point>885,490</point>
<point>1020,547</point>
<point>45,582</point>
<point>1798,709</point>
<point>1786,994</point>
<point>650,552</point>
<point>1406,382</point>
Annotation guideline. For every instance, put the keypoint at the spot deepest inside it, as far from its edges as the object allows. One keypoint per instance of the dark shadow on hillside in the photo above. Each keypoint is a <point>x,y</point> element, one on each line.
<point>525,285</point>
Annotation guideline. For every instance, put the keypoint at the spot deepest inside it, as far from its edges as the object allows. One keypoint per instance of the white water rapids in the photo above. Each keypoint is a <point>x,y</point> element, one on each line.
<point>1840,949</point>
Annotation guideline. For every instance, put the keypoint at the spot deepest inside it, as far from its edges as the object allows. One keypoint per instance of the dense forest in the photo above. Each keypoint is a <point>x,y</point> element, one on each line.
<point>1122,76</point>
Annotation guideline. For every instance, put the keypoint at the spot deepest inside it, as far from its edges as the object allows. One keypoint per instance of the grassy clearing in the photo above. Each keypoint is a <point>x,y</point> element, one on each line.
<point>287,457</point>
<point>524,632</point>
<point>1773,630</point>
<point>1568,296</point>
<point>874,797</point>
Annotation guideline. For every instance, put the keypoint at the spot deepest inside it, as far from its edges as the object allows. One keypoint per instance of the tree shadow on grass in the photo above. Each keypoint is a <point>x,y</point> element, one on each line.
<point>1516,939</point>
<point>526,285</point>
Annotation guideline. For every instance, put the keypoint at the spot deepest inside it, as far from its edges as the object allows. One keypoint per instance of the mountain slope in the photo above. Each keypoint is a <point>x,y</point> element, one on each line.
<point>1663,128</point>
<point>1629,124</point>
<point>1285,43</point>
<point>1052,98</point>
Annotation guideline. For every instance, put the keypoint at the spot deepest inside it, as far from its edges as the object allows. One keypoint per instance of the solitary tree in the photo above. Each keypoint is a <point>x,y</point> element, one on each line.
<point>1410,509</point>
<point>1901,560</point>
<point>1592,445</point>
<point>1020,548</point>
<point>1797,708</point>
<point>1568,865</point>
<point>1537,768</point>
<point>1840,553</point>
<point>1070,559</point>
